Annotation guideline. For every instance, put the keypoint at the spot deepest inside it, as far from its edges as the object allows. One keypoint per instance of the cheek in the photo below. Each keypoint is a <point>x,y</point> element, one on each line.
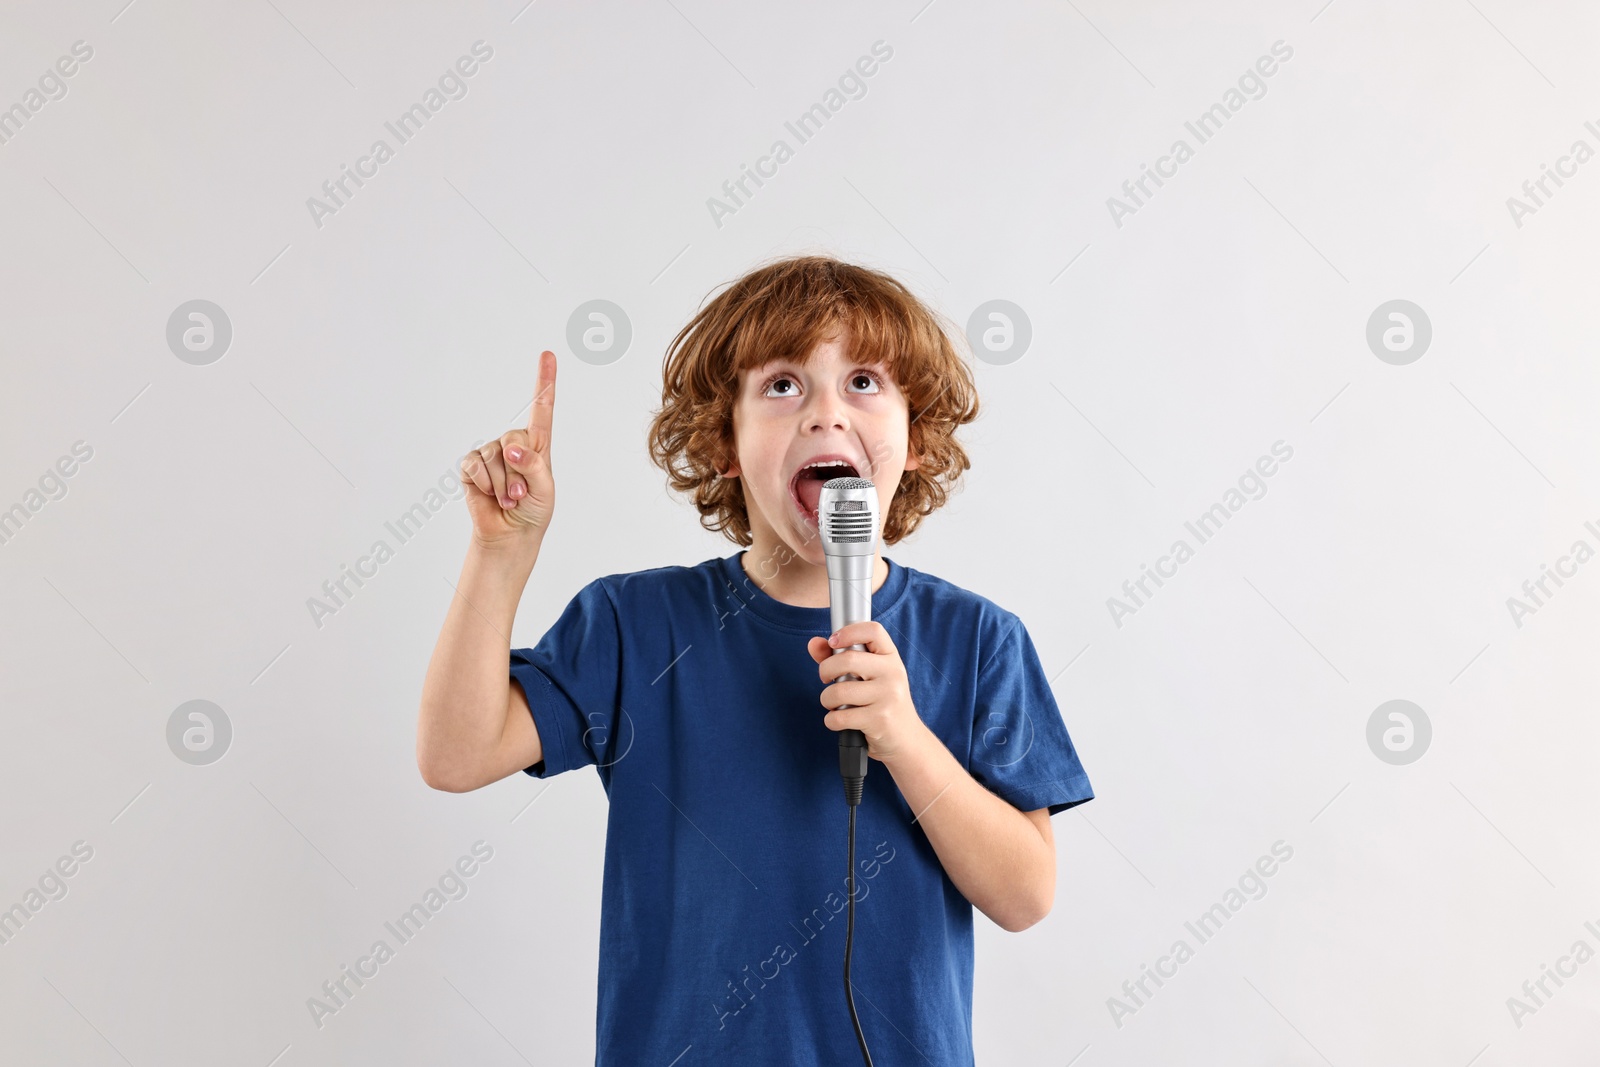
<point>764,444</point>
<point>888,456</point>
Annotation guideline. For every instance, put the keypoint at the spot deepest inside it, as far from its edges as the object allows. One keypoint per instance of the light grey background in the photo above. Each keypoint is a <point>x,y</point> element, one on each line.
<point>1168,353</point>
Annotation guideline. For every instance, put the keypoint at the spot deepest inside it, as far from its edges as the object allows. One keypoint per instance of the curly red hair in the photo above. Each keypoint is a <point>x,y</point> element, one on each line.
<point>783,310</point>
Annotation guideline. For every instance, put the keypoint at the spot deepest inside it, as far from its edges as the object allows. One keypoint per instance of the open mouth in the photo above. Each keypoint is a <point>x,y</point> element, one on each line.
<point>805,488</point>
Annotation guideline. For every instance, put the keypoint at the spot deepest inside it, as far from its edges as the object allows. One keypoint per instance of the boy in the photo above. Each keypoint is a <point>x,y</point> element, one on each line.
<point>702,695</point>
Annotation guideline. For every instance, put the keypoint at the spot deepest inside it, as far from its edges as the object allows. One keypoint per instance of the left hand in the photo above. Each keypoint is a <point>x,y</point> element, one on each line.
<point>881,698</point>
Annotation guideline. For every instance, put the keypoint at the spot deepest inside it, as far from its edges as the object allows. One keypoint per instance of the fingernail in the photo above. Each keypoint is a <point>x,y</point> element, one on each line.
<point>515,453</point>
<point>516,492</point>
<point>833,639</point>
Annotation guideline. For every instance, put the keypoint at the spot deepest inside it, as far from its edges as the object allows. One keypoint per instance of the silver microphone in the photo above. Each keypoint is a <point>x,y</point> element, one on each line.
<point>847,518</point>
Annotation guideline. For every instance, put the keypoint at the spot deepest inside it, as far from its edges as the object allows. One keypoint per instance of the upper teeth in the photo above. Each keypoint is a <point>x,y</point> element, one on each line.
<point>826,463</point>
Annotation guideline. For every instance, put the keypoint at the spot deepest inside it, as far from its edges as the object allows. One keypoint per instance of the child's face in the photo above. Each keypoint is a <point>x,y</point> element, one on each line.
<point>789,415</point>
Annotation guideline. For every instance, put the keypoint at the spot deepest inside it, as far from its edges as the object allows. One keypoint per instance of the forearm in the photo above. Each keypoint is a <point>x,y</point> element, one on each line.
<point>991,851</point>
<point>464,696</point>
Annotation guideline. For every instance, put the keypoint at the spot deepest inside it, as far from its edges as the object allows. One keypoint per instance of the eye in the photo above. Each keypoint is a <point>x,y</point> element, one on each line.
<point>776,380</point>
<point>872,382</point>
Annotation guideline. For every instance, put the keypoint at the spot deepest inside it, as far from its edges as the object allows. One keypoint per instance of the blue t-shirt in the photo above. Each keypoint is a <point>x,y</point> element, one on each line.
<point>722,917</point>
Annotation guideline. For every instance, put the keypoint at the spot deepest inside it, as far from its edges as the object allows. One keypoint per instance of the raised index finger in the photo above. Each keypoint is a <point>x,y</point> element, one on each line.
<point>544,400</point>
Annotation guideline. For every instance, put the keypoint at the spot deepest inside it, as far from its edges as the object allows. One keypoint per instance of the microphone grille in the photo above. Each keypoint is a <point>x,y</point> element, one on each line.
<point>847,521</point>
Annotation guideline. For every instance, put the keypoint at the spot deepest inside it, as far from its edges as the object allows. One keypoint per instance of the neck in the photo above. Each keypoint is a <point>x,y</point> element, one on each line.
<point>786,577</point>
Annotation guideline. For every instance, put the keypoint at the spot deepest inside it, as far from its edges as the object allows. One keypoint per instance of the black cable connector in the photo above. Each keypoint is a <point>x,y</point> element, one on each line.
<point>852,761</point>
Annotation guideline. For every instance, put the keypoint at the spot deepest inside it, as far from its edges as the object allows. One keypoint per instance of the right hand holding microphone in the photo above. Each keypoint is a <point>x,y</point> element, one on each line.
<point>511,492</point>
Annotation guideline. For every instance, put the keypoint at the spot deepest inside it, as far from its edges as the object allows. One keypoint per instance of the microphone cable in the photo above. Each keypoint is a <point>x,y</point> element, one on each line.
<point>853,769</point>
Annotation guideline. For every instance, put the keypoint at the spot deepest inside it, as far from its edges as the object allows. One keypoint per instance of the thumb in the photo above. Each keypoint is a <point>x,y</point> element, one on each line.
<point>819,648</point>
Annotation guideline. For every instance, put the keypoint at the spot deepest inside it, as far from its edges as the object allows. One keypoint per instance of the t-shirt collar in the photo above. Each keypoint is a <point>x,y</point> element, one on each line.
<point>804,620</point>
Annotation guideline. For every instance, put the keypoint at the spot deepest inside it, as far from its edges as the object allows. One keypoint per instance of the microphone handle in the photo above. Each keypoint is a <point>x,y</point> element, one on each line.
<point>852,747</point>
<point>850,601</point>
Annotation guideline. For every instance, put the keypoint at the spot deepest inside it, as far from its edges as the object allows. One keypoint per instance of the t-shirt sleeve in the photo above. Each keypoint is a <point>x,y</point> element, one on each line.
<point>1021,750</point>
<point>572,682</point>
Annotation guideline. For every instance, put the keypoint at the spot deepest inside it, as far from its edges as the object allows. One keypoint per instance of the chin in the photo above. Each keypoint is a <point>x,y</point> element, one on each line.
<point>810,551</point>
<point>803,540</point>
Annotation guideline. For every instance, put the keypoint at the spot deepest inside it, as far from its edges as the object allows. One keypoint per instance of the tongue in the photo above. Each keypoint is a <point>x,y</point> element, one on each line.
<point>809,491</point>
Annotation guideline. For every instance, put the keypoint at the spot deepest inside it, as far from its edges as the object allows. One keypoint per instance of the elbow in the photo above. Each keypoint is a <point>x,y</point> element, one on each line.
<point>434,780</point>
<point>1023,917</point>
<point>441,776</point>
<point>447,784</point>
<point>1028,908</point>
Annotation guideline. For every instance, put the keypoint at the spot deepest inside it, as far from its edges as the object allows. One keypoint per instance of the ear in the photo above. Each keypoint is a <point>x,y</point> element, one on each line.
<point>913,459</point>
<point>729,467</point>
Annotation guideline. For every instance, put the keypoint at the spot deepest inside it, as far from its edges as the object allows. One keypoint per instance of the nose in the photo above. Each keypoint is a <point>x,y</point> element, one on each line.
<point>826,412</point>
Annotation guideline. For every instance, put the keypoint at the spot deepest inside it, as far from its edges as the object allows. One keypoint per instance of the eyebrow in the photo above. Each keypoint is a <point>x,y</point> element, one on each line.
<point>789,362</point>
